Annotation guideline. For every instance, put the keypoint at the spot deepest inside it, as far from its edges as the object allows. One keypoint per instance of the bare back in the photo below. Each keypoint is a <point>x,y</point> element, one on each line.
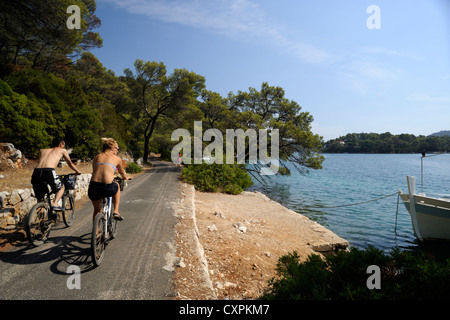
<point>103,170</point>
<point>49,158</point>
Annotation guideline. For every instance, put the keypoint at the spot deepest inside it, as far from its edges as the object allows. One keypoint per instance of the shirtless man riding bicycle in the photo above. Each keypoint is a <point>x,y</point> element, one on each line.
<point>45,173</point>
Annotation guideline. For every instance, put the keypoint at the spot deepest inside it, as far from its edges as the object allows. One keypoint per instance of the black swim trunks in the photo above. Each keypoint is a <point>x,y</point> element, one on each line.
<point>98,190</point>
<point>41,178</point>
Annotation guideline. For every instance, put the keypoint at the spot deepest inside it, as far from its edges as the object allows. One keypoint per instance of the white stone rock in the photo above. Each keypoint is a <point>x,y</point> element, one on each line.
<point>240,227</point>
<point>212,228</point>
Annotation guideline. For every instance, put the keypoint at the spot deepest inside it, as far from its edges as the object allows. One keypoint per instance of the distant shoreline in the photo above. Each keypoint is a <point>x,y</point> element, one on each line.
<point>388,143</point>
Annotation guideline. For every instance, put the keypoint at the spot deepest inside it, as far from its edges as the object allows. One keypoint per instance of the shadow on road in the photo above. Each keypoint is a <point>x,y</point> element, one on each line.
<point>63,250</point>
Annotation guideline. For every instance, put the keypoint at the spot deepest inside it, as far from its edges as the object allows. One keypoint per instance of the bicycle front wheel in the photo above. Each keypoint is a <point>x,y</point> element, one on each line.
<point>38,224</point>
<point>98,239</point>
<point>68,214</point>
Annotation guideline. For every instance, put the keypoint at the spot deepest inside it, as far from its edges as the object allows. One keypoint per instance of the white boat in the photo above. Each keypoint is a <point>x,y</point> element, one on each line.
<point>430,214</point>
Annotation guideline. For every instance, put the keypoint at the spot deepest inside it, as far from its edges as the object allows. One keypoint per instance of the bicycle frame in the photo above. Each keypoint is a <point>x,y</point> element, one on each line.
<point>107,211</point>
<point>48,202</point>
<point>47,197</point>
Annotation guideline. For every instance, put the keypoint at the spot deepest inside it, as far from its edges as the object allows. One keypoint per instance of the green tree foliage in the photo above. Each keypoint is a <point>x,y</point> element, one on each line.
<point>269,109</point>
<point>106,94</point>
<point>253,110</point>
<point>64,108</point>
<point>34,33</point>
<point>156,95</point>
<point>24,120</point>
<point>387,143</point>
<point>216,111</point>
<point>45,98</point>
<point>403,275</point>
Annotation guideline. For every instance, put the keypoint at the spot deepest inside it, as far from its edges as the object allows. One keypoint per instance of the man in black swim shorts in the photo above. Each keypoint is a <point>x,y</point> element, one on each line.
<point>44,174</point>
<point>41,178</point>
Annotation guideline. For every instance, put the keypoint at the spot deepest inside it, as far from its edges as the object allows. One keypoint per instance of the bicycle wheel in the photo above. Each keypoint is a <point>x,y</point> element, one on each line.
<point>68,203</point>
<point>98,239</point>
<point>38,224</point>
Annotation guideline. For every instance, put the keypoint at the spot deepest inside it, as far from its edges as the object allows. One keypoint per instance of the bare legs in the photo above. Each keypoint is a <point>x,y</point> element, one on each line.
<point>116,200</point>
<point>58,196</point>
<point>97,207</point>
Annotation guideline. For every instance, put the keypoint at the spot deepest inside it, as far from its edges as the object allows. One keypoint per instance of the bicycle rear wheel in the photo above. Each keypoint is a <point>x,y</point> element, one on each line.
<point>68,203</point>
<point>38,224</point>
<point>98,239</point>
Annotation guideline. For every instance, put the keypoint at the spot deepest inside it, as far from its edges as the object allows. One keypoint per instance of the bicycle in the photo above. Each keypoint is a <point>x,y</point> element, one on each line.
<point>42,217</point>
<point>104,228</point>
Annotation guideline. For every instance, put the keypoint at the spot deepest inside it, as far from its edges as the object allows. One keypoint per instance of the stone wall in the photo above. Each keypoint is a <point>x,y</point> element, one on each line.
<point>16,205</point>
<point>11,156</point>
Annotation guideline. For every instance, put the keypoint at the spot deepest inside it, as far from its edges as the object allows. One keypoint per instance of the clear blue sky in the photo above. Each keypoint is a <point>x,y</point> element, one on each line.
<point>322,53</point>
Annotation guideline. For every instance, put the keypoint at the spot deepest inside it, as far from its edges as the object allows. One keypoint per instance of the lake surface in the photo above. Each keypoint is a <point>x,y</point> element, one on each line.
<point>353,178</point>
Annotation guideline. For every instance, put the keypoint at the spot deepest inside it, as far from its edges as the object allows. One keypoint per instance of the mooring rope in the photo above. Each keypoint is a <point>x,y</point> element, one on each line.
<point>358,203</point>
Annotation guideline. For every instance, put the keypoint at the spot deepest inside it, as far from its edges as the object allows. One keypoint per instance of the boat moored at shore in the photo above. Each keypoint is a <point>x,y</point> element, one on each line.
<point>430,213</point>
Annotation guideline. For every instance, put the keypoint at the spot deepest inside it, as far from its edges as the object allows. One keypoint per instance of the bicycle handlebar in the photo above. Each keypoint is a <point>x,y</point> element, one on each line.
<point>121,182</point>
<point>120,179</point>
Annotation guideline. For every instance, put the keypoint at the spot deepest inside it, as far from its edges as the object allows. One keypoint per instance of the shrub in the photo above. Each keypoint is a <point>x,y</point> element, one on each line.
<point>344,276</point>
<point>133,167</point>
<point>226,178</point>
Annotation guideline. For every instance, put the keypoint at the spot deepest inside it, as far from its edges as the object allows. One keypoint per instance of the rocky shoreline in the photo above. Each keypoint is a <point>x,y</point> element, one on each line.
<point>228,245</point>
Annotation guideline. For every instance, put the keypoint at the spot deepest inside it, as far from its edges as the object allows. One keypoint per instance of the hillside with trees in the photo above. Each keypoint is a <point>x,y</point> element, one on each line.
<point>441,133</point>
<point>52,85</point>
<point>388,143</point>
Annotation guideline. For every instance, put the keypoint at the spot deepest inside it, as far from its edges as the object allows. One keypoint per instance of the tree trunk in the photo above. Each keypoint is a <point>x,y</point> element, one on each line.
<point>147,136</point>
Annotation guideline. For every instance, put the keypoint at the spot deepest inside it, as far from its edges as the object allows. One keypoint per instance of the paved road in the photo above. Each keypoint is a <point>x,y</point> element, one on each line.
<point>137,263</point>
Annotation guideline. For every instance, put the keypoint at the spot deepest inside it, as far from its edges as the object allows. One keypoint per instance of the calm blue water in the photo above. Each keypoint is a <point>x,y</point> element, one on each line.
<point>353,178</point>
